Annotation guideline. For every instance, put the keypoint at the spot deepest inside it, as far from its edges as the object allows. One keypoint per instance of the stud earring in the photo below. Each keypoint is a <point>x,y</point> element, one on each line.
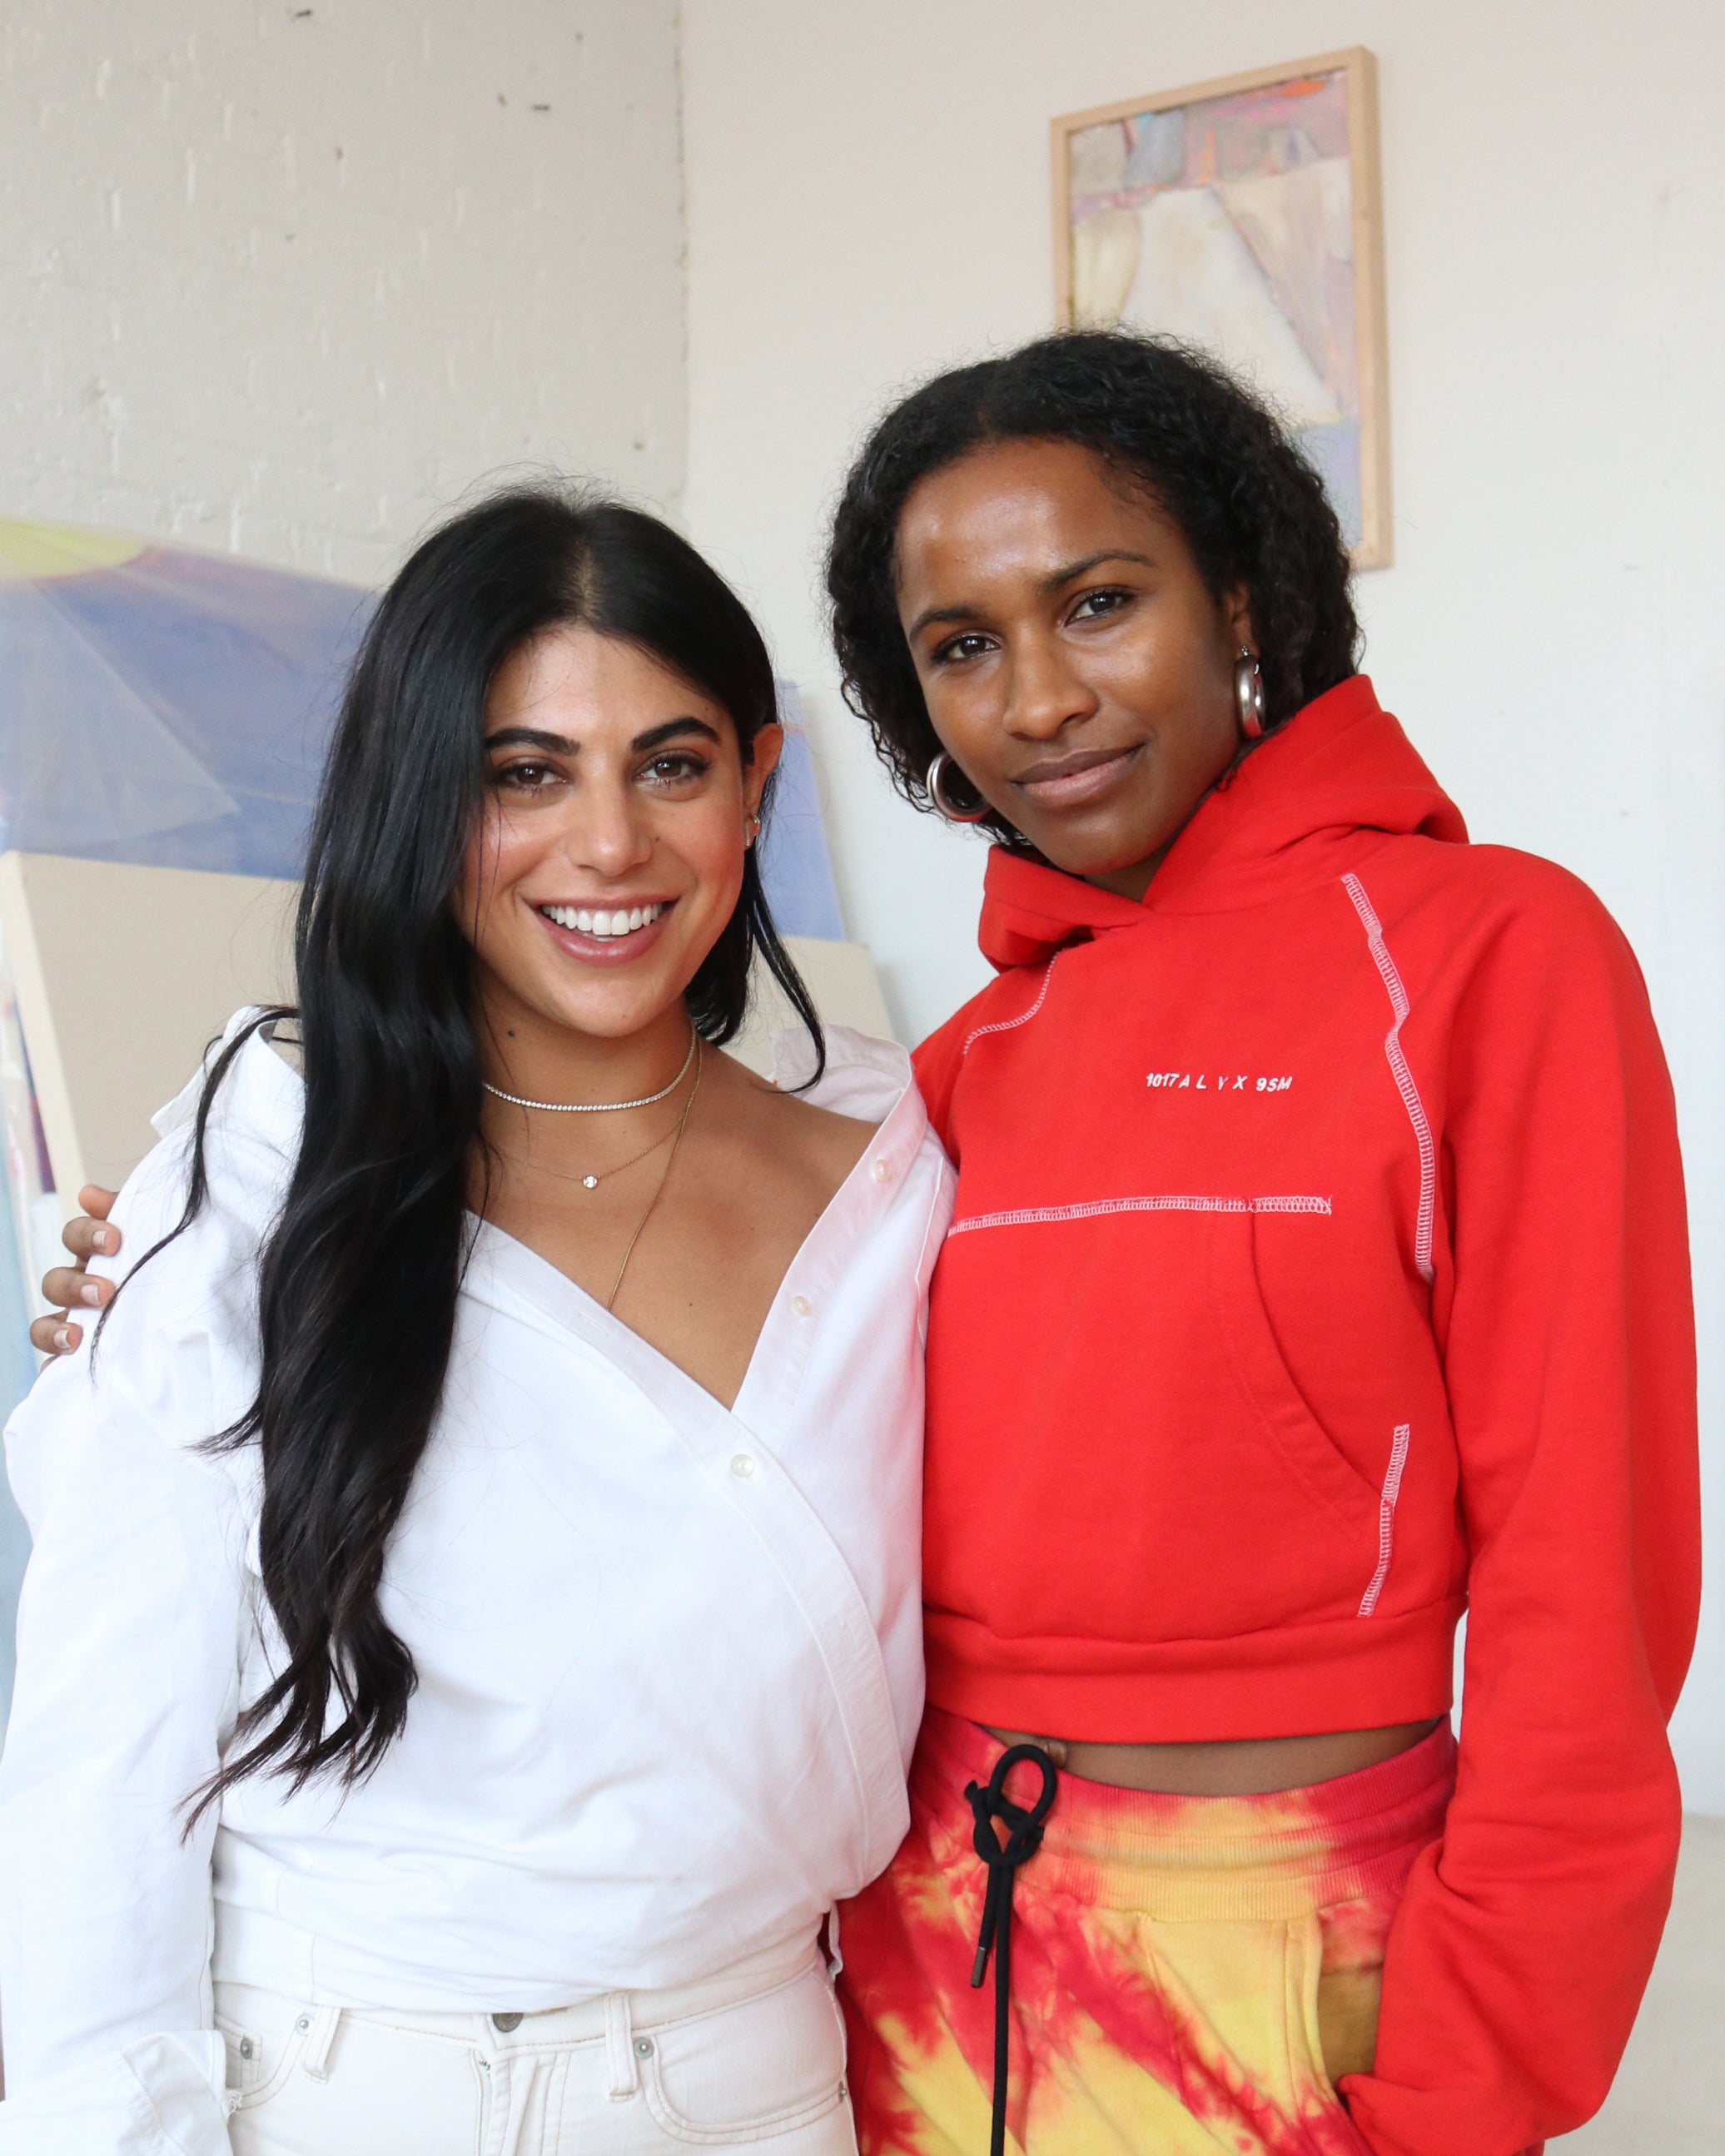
<point>754,832</point>
<point>1249,694</point>
<point>935,786</point>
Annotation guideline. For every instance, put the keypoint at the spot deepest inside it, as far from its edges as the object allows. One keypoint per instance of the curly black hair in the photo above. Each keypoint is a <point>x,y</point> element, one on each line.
<point>1166,418</point>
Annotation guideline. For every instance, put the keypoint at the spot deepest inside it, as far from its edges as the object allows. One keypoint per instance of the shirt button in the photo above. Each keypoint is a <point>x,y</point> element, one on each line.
<point>801,1305</point>
<point>506,2021</point>
<point>881,1171</point>
<point>744,1464</point>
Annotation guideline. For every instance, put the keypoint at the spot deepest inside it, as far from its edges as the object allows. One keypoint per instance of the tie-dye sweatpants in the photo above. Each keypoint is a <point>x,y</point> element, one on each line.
<point>1188,1974</point>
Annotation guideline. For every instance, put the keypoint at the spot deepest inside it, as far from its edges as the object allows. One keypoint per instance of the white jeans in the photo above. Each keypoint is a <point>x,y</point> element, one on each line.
<point>718,2065</point>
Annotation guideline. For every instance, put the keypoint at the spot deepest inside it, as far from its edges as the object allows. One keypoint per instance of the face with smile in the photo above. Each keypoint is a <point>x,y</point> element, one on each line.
<point>1075,664</point>
<point>609,855</point>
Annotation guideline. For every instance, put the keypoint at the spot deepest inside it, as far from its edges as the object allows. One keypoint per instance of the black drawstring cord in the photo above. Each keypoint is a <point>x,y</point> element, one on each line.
<point>1024,1838</point>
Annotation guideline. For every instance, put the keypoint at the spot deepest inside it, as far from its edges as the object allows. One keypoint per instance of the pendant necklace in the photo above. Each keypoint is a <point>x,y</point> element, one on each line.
<point>592,1178</point>
<point>592,1181</point>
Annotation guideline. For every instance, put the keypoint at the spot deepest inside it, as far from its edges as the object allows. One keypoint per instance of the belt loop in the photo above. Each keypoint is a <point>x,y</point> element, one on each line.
<point>834,1958</point>
<point>315,2059</point>
<point>620,2047</point>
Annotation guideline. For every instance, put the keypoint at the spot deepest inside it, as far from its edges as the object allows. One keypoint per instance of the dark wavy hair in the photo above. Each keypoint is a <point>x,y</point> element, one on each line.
<point>1165,419</point>
<point>359,1278</point>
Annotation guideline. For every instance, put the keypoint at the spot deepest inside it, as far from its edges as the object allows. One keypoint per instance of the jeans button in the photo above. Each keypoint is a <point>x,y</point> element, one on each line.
<point>506,2021</point>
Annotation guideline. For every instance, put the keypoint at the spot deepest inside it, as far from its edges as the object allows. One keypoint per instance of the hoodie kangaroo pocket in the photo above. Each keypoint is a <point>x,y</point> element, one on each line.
<point>1243,1326</point>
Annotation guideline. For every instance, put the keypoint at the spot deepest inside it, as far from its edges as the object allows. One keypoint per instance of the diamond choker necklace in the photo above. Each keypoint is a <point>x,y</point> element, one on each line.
<point>601,1107</point>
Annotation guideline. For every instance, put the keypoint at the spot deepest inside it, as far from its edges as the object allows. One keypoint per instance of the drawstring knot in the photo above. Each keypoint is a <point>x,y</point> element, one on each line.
<point>992,1810</point>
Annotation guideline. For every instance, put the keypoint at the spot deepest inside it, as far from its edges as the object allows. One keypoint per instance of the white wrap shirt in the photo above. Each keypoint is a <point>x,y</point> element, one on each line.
<point>669,1654</point>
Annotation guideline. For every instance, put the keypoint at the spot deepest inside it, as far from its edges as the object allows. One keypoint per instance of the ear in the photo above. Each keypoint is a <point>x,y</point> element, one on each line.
<point>764,752</point>
<point>1237,618</point>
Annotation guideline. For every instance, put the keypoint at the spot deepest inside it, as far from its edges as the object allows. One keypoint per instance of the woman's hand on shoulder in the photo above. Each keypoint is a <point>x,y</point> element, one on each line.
<point>70,1287</point>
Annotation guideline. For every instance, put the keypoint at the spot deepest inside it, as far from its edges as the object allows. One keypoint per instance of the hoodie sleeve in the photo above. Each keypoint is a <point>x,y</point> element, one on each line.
<point>1519,1958</point>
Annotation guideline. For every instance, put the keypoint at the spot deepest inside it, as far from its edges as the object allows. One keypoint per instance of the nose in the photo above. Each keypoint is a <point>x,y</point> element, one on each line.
<point>606,831</point>
<point>1043,691</point>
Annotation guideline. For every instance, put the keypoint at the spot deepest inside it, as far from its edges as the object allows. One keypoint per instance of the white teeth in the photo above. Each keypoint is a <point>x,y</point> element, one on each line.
<point>604,923</point>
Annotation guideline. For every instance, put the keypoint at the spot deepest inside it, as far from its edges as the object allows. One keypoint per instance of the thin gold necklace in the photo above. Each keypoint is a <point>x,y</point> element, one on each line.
<point>591,1180</point>
<point>659,1193</point>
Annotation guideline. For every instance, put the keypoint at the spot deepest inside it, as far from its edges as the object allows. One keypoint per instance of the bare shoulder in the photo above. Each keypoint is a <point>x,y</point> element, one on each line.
<point>810,1144</point>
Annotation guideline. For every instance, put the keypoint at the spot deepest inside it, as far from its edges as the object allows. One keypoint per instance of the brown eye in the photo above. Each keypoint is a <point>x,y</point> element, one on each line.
<point>1098,606</point>
<point>675,767</point>
<point>526,777</point>
<point>968,646</point>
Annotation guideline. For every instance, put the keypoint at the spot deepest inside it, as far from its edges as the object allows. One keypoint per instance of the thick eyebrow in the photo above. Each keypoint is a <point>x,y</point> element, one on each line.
<point>1073,569</point>
<point>673,730</point>
<point>561,744</point>
<point>1067,573</point>
<point>532,737</point>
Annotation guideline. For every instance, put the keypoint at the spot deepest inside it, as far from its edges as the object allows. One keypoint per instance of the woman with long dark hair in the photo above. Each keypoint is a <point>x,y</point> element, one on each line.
<point>471,1638</point>
<point>1319,1270</point>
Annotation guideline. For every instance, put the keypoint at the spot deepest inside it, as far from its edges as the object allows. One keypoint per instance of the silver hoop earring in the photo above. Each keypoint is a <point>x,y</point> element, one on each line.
<point>1249,694</point>
<point>935,785</point>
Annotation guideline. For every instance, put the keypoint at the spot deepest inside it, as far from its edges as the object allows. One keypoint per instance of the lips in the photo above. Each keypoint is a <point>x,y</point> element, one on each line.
<point>1071,781</point>
<point>606,935</point>
<point>604,921</point>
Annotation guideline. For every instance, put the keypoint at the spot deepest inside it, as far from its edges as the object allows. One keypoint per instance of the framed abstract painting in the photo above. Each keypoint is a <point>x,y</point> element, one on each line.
<point>1244,216</point>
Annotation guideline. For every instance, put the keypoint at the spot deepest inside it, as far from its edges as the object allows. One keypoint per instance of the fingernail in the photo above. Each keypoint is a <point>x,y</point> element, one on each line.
<point>100,1238</point>
<point>89,1293</point>
<point>62,1339</point>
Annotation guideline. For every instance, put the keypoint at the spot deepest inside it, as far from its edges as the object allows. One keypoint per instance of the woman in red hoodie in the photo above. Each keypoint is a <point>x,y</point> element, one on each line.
<point>1319,1272</point>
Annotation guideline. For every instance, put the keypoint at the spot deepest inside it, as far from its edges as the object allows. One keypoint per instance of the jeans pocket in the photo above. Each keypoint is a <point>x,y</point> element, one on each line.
<point>767,2067</point>
<point>262,2050</point>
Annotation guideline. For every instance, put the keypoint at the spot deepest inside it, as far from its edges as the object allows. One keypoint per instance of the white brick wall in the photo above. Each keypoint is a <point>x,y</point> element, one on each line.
<point>283,279</point>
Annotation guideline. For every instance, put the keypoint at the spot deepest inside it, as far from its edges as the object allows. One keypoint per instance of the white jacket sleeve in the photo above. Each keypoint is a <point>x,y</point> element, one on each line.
<point>129,1650</point>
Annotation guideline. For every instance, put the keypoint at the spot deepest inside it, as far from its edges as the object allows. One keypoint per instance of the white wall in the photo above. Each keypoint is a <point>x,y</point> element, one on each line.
<point>868,198</point>
<point>283,278</point>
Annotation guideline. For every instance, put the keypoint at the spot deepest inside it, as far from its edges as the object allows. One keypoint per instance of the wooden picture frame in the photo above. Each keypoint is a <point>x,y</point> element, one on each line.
<point>1219,213</point>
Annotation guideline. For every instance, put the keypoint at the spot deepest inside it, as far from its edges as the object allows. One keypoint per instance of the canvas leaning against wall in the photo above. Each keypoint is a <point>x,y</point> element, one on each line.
<point>1244,216</point>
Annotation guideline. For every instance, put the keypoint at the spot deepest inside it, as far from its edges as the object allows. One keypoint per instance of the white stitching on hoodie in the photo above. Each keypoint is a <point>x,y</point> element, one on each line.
<point>1403,1076</point>
<point>1006,1024</point>
<point>1386,1518</point>
<point>1036,1216</point>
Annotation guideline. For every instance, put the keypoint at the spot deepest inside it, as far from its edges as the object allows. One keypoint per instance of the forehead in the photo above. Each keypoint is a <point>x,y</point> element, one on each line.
<point>572,679</point>
<point>1022,507</point>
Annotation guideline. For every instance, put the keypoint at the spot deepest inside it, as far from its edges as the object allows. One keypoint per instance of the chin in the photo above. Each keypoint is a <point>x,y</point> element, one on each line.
<point>1092,852</point>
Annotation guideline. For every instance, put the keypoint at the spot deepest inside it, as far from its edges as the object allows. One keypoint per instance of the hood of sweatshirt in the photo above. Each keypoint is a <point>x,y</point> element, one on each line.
<point>1340,766</point>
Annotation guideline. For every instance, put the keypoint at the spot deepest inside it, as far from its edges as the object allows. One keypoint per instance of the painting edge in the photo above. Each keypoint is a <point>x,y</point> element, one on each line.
<point>1358,65</point>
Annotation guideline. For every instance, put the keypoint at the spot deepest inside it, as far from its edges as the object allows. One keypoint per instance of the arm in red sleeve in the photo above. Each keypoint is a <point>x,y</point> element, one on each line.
<point>1519,1956</point>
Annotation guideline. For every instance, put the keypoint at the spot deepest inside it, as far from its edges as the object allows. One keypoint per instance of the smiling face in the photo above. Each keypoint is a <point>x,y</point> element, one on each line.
<point>1075,664</point>
<point>609,855</point>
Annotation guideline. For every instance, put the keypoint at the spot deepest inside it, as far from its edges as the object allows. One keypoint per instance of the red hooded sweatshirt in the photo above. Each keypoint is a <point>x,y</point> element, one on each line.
<point>1320,1270</point>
